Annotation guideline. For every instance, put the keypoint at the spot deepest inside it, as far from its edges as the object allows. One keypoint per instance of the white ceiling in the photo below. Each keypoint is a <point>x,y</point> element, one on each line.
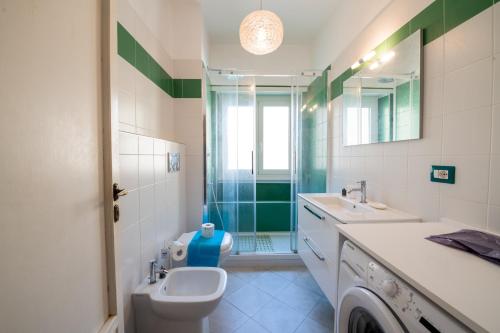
<point>302,19</point>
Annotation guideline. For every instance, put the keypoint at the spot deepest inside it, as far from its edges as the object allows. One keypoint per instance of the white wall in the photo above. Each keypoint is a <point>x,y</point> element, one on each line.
<point>288,59</point>
<point>153,212</point>
<point>461,125</point>
<point>347,21</point>
<point>51,199</point>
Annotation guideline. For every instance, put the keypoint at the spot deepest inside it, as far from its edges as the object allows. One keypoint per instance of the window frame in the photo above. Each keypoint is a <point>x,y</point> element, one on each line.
<point>271,100</point>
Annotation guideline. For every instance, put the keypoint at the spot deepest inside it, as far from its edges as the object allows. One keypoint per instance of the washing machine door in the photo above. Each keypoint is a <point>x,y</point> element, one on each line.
<point>361,311</point>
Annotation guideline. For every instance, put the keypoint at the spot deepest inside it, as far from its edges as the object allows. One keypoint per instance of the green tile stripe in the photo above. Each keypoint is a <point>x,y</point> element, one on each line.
<point>133,52</point>
<point>435,20</point>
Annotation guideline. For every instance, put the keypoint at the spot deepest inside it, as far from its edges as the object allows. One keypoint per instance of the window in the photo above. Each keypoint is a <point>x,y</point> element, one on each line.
<point>273,135</point>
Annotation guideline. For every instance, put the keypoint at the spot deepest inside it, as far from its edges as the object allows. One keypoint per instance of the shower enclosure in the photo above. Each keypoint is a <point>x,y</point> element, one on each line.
<point>255,149</point>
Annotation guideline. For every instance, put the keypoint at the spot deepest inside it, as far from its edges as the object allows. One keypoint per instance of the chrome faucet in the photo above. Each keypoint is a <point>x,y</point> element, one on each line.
<point>361,189</point>
<point>153,270</point>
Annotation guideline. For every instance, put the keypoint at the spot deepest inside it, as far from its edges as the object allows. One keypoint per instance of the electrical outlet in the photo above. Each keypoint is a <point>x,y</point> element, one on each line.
<point>443,174</point>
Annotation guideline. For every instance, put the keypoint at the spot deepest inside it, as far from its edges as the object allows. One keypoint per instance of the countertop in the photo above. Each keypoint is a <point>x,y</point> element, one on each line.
<point>464,285</point>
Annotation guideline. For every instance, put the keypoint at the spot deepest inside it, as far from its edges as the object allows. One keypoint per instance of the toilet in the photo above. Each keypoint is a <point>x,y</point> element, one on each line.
<point>225,247</point>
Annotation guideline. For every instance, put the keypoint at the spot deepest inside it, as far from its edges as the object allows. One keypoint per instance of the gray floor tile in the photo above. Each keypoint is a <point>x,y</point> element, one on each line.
<point>306,280</point>
<point>226,318</point>
<point>249,299</point>
<point>234,283</point>
<point>279,318</point>
<point>291,273</point>
<point>298,298</point>
<point>270,282</point>
<point>248,274</point>
<point>323,313</point>
<point>311,326</point>
<point>251,326</point>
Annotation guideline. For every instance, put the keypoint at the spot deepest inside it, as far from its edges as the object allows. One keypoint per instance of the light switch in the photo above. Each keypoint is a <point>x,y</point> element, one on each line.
<point>443,174</point>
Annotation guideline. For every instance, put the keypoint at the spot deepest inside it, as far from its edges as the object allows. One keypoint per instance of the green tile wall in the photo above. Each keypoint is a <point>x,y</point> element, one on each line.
<point>436,19</point>
<point>133,52</point>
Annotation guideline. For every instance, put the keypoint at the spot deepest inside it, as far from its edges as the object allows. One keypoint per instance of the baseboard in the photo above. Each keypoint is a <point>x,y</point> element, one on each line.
<point>262,260</point>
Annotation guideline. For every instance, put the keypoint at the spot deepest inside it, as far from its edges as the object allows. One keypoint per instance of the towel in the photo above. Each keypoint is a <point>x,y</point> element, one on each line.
<point>205,251</point>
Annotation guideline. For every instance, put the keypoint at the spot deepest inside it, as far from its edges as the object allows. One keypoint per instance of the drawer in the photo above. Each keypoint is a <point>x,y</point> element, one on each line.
<point>322,268</point>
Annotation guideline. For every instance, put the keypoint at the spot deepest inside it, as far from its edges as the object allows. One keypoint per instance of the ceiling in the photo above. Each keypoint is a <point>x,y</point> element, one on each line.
<point>302,19</point>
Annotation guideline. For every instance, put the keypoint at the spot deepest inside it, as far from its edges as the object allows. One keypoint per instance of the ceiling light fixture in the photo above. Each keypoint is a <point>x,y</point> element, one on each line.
<point>374,65</point>
<point>261,32</point>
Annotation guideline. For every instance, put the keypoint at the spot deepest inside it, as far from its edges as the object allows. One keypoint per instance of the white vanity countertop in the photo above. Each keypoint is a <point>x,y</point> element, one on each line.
<point>345,214</point>
<point>466,286</point>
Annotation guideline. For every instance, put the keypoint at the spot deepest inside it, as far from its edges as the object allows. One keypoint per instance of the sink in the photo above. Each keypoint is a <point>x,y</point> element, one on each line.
<point>349,211</point>
<point>181,302</point>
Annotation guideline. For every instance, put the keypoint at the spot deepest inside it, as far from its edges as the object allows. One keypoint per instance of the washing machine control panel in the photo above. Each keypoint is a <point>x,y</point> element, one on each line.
<point>417,313</point>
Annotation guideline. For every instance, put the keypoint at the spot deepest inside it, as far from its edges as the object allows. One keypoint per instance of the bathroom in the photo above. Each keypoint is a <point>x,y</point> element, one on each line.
<point>127,125</point>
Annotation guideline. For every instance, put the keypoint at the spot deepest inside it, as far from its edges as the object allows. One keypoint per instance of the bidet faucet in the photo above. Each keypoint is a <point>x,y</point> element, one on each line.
<point>361,189</point>
<point>153,271</point>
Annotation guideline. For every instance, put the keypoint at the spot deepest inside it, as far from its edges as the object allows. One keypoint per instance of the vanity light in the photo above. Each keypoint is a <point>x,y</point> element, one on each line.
<point>387,56</point>
<point>356,65</point>
<point>303,107</point>
<point>374,65</point>
<point>369,56</point>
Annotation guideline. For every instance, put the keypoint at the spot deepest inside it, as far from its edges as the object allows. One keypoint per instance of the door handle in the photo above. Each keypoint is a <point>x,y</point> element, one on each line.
<point>314,213</point>
<point>118,192</point>
<point>316,253</point>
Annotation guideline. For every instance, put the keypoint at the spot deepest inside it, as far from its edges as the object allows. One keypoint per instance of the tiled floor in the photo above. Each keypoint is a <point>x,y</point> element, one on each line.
<point>279,299</point>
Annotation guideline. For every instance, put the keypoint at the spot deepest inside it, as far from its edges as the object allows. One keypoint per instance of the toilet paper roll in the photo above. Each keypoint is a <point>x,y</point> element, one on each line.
<point>178,251</point>
<point>207,230</point>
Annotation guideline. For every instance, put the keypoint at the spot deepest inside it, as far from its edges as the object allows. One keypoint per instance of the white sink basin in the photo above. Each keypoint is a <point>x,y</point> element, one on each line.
<point>350,211</point>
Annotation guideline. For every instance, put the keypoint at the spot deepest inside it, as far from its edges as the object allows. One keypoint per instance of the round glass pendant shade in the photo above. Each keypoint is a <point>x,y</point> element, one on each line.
<point>261,32</point>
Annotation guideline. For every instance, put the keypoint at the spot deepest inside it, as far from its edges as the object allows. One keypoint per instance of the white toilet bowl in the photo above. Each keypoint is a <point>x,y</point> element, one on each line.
<point>225,247</point>
<point>181,302</point>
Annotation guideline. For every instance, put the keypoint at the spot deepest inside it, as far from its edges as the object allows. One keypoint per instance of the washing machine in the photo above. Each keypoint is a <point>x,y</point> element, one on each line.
<point>372,299</point>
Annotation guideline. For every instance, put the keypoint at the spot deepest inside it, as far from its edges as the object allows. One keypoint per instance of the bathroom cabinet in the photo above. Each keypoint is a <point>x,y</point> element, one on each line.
<point>318,246</point>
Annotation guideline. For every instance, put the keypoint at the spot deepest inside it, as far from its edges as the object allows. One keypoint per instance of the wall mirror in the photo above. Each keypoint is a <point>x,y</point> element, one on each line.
<point>381,102</point>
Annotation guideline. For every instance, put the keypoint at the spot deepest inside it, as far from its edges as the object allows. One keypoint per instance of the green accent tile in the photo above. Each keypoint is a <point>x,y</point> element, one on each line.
<point>126,44</point>
<point>273,191</point>
<point>273,217</point>
<point>457,12</point>
<point>191,88</point>
<point>431,21</point>
<point>177,88</point>
<point>142,59</point>
<point>397,37</point>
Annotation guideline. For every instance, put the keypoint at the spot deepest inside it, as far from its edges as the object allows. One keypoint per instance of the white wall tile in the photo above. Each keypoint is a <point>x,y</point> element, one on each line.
<point>433,102</point>
<point>146,170</point>
<point>146,145</point>
<point>496,29</point>
<point>496,79</point>
<point>126,15</point>
<point>469,42</point>
<point>431,141</point>
<point>469,87</point>
<point>423,195</point>
<point>495,180</point>
<point>129,172</point>
<point>129,209</point>
<point>472,177</point>
<point>129,143</point>
<point>434,58</point>
<point>495,130</point>
<point>130,247</point>
<point>126,76</point>
<point>159,147</point>
<point>494,218</point>
<point>126,107</point>
<point>467,212</point>
<point>146,202</point>
<point>160,168</point>
<point>467,132</point>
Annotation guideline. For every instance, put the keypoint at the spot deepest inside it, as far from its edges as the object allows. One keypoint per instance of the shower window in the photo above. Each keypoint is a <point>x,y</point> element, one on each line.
<point>239,129</point>
<point>273,136</point>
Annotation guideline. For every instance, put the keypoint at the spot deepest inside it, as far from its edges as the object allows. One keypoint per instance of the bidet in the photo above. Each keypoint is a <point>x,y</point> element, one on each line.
<point>181,302</point>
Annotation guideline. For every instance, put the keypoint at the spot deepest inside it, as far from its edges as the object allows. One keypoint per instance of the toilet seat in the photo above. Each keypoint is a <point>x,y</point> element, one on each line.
<point>225,246</point>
